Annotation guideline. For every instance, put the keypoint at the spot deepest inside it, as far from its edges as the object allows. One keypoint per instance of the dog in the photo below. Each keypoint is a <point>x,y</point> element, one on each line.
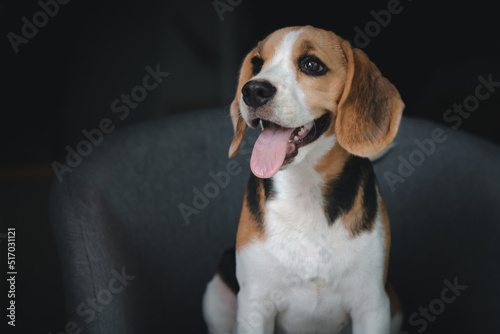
<point>313,240</point>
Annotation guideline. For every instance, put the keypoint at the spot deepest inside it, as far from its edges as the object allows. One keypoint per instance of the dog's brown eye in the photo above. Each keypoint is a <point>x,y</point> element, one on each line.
<point>311,65</point>
<point>257,63</point>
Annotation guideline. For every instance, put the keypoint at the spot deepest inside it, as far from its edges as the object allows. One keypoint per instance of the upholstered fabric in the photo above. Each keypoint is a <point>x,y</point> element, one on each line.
<point>141,223</point>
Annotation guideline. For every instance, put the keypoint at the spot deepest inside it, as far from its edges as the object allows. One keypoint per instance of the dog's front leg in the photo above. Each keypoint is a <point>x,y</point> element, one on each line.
<point>256,314</point>
<point>373,316</point>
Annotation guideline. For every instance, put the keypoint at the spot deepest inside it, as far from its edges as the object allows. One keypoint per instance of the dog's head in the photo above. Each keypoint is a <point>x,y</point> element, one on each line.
<point>303,83</point>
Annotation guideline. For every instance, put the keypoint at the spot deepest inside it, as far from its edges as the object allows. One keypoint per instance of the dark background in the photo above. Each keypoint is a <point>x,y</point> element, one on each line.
<point>65,78</point>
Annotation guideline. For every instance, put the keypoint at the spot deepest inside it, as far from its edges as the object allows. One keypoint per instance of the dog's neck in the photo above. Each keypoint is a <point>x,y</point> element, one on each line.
<point>304,182</point>
<point>326,185</point>
<point>320,165</point>
<point>342,184</point>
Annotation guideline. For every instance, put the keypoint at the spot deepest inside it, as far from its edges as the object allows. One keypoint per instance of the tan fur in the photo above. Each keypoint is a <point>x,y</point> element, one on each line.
<point>266,49</point>
<point>332,163</point>
<point>394,299</point>
<point>239,125</point>
<point>248,229</point>
<point>370,108</point>
<point>352,219</point>
<point>386,229</point>
<point>322,93</point>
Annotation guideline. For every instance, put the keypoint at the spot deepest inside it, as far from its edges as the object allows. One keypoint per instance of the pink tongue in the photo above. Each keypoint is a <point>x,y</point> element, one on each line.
<point>269,152</point>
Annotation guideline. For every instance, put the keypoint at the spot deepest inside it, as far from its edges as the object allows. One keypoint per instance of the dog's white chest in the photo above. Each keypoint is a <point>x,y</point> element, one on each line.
<point>299,233</point>
<point>310,269</point>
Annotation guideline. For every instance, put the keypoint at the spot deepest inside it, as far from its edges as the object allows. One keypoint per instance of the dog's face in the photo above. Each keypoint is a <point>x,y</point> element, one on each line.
<point>303,83</point>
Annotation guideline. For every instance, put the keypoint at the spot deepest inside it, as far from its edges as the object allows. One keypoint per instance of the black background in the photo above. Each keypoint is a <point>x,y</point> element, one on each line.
<point>65,78</point>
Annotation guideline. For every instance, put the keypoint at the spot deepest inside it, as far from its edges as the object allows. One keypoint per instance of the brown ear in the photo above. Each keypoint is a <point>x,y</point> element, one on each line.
<point>239,127</point>
<point>239,124</point>
<point>370,108</point>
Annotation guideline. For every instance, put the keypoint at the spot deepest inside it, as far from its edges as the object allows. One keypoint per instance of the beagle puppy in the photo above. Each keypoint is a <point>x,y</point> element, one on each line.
<point>313,240</point>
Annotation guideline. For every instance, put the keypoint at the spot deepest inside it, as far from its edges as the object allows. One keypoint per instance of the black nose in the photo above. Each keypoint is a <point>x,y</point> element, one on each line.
<point>257,93</point>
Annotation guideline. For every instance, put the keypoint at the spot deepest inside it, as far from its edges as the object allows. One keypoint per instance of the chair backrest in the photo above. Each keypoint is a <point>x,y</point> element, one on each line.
<point>442,190</point>
<point>141,223</point>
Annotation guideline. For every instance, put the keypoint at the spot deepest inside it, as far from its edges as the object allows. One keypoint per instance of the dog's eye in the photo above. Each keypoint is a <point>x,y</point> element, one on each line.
<point>257,63</point>
<point>311,65</point>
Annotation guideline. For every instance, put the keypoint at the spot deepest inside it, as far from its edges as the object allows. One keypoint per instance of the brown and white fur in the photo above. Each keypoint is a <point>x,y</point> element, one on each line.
<point>313,240</point>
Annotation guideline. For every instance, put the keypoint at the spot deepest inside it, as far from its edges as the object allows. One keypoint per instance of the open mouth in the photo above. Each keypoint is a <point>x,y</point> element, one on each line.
<point>277,145</point>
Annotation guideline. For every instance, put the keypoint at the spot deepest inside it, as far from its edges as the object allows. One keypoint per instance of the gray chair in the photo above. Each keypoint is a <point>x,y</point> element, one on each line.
<point>142,222</point>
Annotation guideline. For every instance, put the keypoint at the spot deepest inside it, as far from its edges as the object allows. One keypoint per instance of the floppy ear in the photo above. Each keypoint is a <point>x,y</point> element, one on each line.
<point>370,108</point>
<point>239,124</point>
<point>239,127</point>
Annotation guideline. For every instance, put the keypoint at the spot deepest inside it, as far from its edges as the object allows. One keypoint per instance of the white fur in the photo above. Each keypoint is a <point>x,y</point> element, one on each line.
<point>219,307</point>
<point>288,106</point>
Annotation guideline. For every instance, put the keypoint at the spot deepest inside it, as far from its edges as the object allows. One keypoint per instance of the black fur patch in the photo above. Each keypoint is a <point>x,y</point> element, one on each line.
<point>341,192</point>
<point>268,188</point>
<point>227,270</point>
<point>253,197</point>
<point>369,201</point>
